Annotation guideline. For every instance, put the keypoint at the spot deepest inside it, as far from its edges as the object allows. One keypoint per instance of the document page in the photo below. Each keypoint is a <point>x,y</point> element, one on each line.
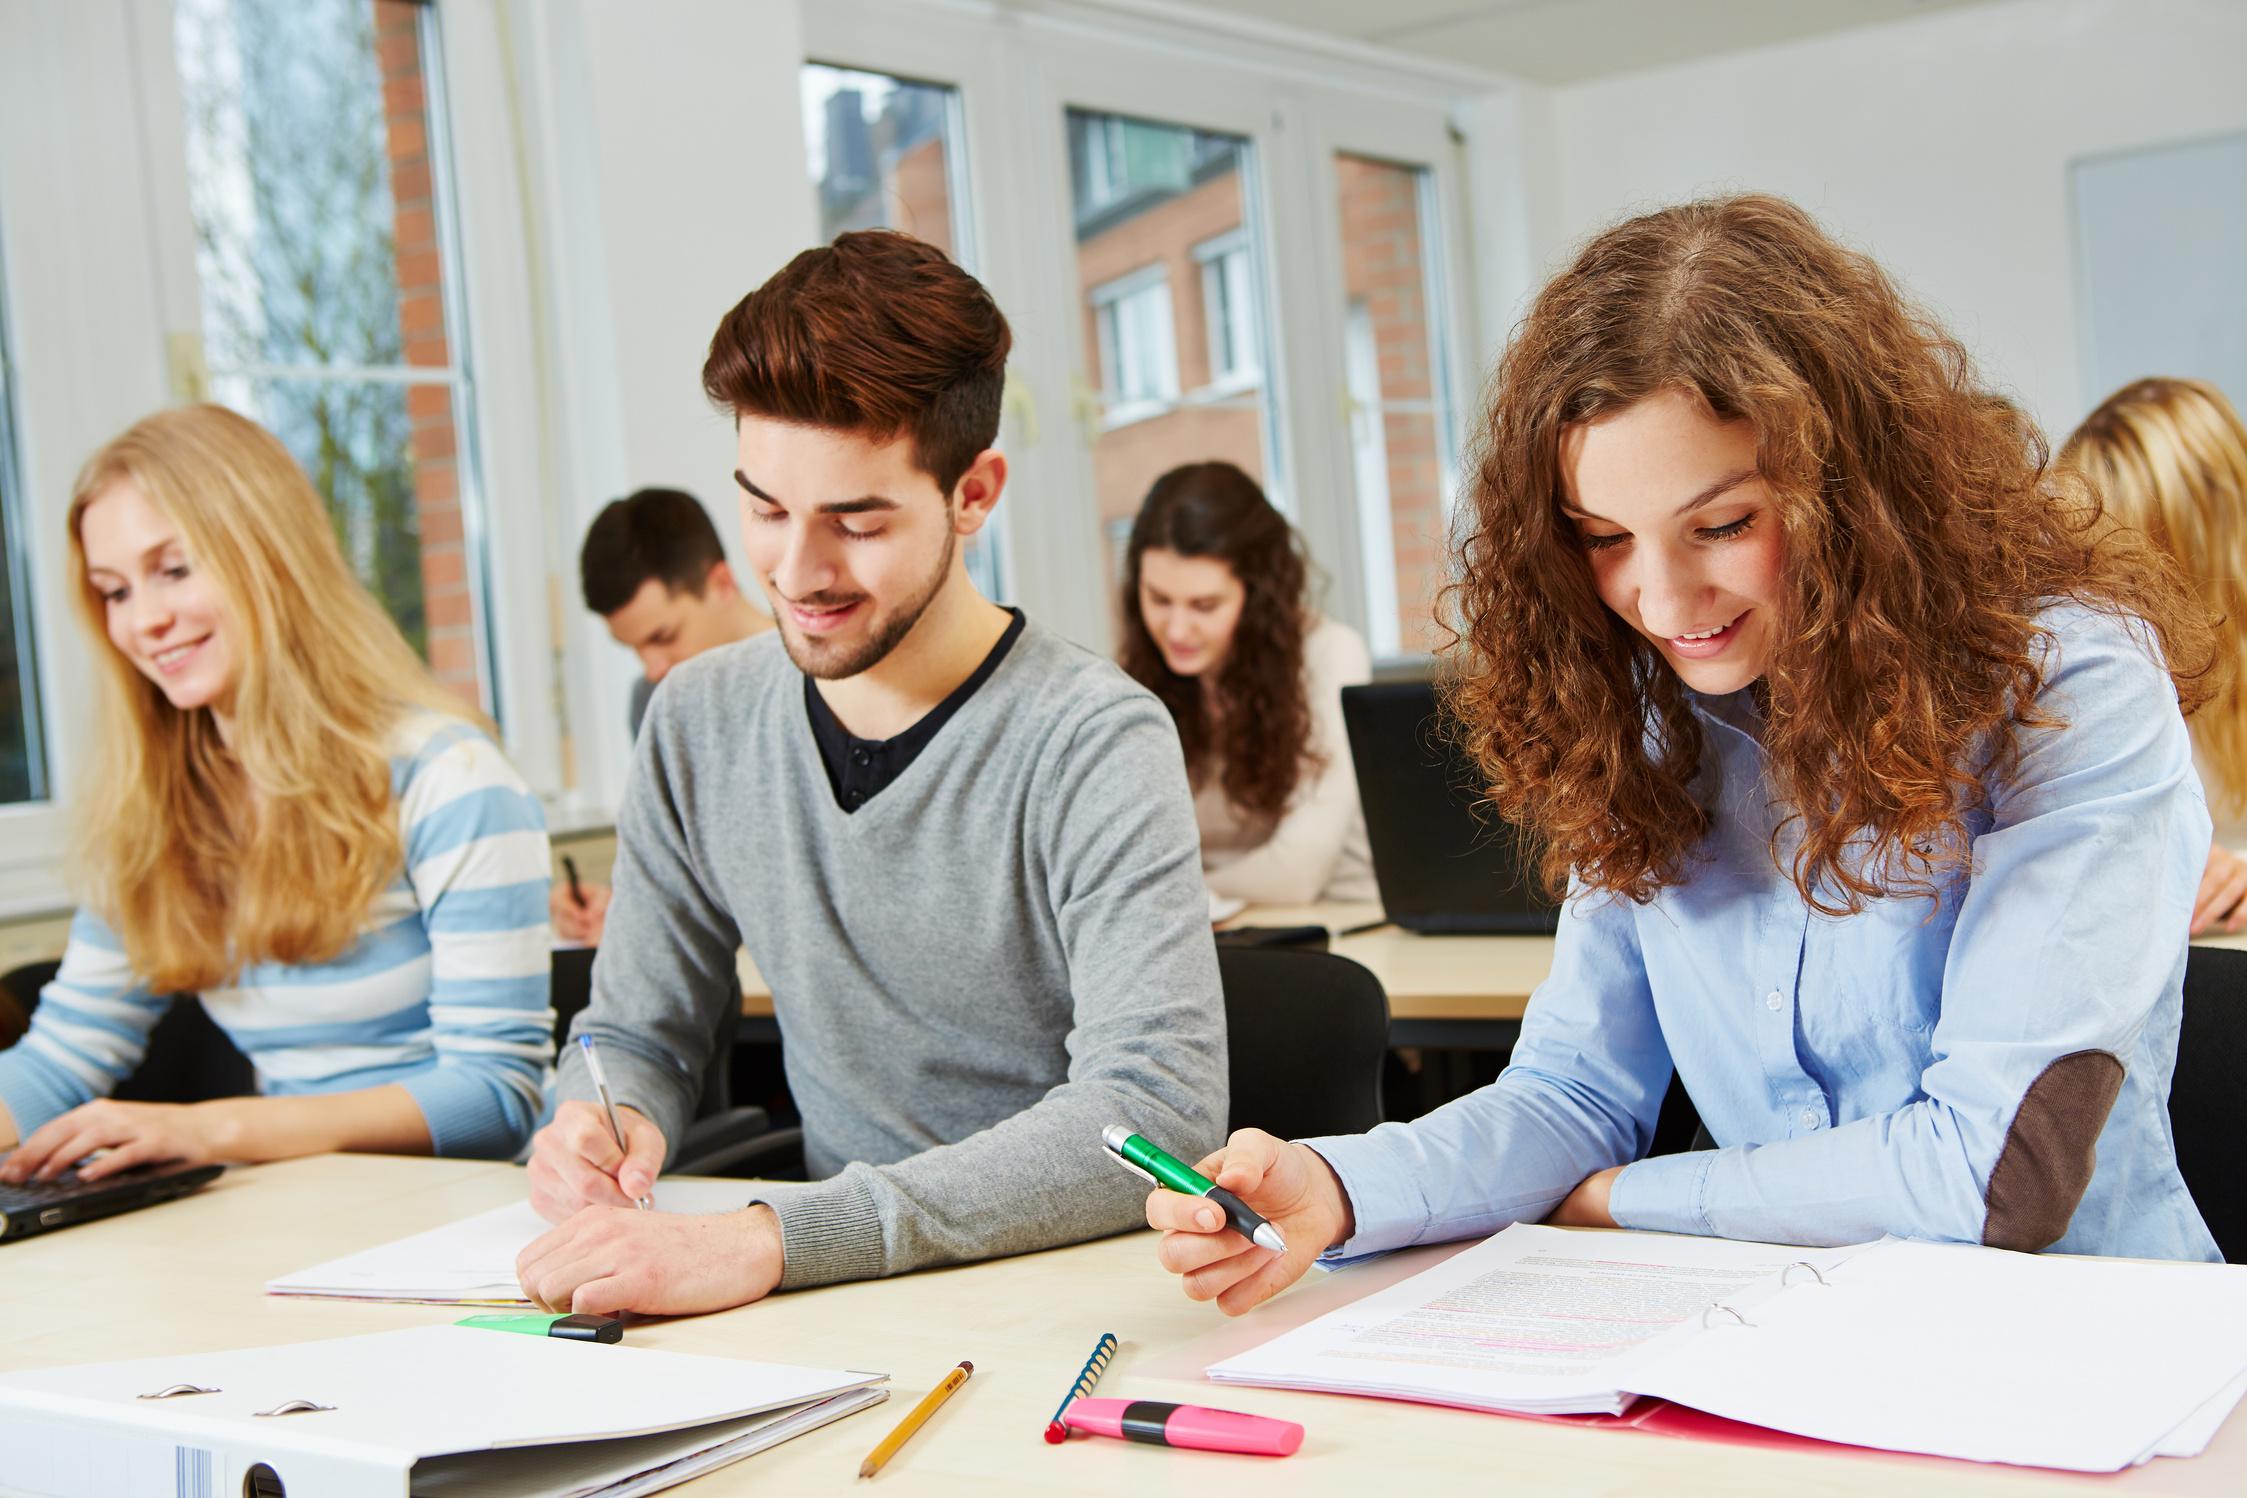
<point>472,1262</point>
<point>2038,1360</point>
<point>1537,1320</point>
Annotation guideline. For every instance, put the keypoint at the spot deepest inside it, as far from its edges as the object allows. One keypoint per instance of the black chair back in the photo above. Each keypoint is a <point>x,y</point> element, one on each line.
<point>2204,1096</point>
<point>1308,1033</point>
<point>188,1060</point>
<point>572,990</point>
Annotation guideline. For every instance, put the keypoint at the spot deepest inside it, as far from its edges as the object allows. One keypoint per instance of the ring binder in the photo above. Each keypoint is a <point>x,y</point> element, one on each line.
<point>178,1389</point>
<point>1800,1264</point>
<point>1735,1315</point>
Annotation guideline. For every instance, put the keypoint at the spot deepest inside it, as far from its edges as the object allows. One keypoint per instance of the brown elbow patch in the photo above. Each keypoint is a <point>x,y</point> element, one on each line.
<point>2050,1152</point>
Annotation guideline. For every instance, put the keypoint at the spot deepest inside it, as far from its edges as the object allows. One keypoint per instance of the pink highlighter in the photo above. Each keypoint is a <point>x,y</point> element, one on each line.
<point>1184,1425</point>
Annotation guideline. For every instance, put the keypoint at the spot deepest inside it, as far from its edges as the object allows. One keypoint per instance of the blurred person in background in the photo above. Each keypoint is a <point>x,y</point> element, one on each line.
<point>2169,458</point>
<point>1217,625</point>
<point>654,570</point>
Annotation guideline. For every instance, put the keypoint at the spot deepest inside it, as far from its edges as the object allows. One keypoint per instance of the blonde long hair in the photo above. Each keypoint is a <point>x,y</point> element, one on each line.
<point>2169,457</point>
<point>198,877</point>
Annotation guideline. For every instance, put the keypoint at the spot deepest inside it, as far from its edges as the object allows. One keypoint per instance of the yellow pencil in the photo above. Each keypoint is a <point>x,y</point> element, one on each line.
<point>912,1422</point>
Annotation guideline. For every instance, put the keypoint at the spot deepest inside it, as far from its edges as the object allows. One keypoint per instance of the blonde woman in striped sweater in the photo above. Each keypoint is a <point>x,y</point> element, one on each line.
<point>290,817</point>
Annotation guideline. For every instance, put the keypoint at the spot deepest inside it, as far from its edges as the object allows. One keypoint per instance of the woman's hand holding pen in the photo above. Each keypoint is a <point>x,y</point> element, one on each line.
<point>1287,1184</point>
<point>579,914</point>
<point>575,1162</point>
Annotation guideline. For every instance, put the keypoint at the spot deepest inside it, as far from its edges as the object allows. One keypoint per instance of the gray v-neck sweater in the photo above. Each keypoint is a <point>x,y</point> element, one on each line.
<point>974,973</point>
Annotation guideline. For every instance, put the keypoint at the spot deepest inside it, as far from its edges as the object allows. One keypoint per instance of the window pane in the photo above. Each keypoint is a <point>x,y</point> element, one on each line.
<point>22,776</point>
<point>879,154</point>
<point>1167,264</point>
<point>315,171</point>
<point>1399,435</point>
<point>884,155</point>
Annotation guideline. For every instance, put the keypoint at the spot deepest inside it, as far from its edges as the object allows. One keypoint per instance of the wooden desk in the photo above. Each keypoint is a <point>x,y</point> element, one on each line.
<point>1443,990</point>
<point>186,1277</point>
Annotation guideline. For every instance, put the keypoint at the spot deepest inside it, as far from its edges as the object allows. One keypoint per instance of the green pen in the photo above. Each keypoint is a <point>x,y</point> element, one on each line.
<point>1136,1155</point>
<point>582,1327</point>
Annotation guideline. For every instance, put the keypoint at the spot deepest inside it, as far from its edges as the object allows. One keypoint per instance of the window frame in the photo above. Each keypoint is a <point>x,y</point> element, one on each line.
<point>1296,105</point>
<point>1140,299</point>
<point>15,558</point>
<point>1224,308</point>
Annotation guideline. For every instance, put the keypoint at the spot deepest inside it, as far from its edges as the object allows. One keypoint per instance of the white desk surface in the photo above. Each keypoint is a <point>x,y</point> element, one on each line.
<point>186,1276</point>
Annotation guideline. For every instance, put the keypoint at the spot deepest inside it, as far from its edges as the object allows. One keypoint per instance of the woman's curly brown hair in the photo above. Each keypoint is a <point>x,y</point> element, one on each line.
<point>1263,742</point>
<point>1923,537</point>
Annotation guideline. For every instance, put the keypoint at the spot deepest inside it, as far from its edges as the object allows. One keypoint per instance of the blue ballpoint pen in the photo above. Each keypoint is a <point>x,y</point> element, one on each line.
<point>601,1086</point>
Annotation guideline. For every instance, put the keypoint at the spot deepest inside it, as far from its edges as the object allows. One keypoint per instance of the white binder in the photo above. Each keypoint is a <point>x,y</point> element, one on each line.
<point>350,1418</point>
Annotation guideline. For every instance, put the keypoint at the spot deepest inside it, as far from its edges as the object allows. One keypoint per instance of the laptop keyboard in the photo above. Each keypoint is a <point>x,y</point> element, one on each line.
<point>63,1188</point>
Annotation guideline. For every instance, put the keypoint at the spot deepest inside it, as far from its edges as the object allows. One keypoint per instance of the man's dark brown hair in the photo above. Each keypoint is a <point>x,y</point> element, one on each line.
<point>876,334</point>
<point>661,534</point>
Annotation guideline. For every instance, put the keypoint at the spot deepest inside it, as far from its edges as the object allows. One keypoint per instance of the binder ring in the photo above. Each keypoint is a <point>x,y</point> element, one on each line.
<point>292,1407</point>
<point>1800,1264</point>
<point>1727,1310</point>
<point>176,1390</point>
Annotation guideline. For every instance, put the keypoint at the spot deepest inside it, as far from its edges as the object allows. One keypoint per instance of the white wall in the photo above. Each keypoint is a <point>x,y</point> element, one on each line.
<point>663,149</point>
<point>1940,145</point>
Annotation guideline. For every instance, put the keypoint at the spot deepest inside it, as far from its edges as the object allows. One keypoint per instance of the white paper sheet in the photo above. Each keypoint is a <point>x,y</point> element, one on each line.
<point>2192,1437</point>
<point>2036,1360</point>
<point>1946,1349</point>
<point>1537,1320</point>
<point>472,1262</point>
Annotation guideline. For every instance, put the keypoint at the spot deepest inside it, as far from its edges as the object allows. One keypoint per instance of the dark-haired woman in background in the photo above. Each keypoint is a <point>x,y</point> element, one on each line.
<point>1217,626</point>
<point>1859,740</point>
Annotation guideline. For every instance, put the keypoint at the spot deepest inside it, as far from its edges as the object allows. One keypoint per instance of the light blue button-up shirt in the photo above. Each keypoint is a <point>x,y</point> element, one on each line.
<point>1860,1074</point>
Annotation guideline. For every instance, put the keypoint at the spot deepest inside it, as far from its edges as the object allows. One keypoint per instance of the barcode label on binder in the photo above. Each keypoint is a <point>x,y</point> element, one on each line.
<point>192,1466</point>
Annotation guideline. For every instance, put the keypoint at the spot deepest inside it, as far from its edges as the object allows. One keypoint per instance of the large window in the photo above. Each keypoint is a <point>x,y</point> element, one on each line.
<point>317,172</point>
<point>22,768</point>
<point>885,154</point>
<point>1167,266</point>
<point>1399,429</point>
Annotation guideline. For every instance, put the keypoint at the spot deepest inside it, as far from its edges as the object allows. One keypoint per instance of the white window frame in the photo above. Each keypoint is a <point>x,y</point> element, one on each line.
<point>1297,101</point>
<point>1229,314</point>
<point>1136,304</point>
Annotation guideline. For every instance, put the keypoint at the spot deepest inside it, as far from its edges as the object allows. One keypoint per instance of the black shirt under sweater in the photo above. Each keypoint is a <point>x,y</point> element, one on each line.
<point>860,769</point>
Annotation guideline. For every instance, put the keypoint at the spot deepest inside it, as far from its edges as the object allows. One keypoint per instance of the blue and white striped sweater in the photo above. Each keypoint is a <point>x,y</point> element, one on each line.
<point>446,994</point>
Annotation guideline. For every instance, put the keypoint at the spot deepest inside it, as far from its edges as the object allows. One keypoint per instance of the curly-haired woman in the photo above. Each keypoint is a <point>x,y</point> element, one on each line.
<point>1217,626</point>
<point>2169,457</point>
<point>289,816</point>
<point>1858,740</point>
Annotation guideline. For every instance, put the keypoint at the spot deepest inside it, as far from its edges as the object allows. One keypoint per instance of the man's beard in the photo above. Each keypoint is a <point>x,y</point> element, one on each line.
<point>834,661</point>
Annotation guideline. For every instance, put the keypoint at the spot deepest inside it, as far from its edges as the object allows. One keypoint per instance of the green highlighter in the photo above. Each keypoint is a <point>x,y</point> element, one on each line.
<point>1136,1155</point>
<point>582,1327</point>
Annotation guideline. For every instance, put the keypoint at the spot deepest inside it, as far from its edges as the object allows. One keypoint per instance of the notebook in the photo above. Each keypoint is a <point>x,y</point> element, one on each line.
<point>1949,1350</point>
<point>472,1262</point>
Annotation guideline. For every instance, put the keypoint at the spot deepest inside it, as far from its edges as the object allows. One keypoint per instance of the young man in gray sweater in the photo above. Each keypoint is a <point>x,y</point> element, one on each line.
<point>961,850</point>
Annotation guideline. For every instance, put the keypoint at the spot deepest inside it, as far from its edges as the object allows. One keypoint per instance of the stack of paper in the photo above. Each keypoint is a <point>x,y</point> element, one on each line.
<point>435,1411</point>
<point>472,1262</point>
<point>1943,1349</point>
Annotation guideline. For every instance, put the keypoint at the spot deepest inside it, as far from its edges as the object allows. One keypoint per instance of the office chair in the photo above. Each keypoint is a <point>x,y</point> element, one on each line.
<point>722,1140</point>
<point>1308,1033</point>
<point>2204,1111</point>
<point>188,1060</point>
